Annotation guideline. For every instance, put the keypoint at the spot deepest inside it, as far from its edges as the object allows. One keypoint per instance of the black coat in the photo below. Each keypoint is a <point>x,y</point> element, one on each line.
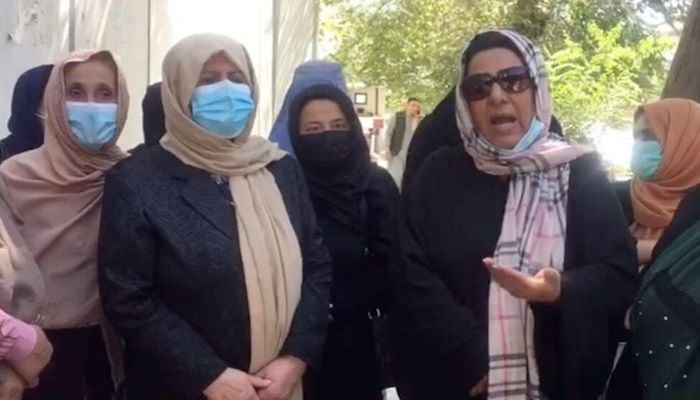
<point>171,276</point>
<point>361,256</point>
<point>452,220</point>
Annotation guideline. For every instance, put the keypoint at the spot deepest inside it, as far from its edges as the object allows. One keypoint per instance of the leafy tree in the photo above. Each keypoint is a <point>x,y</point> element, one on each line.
<point>683,79</point>
<point>673,12</point>
<point>603,81</point>
<point>603,59</point>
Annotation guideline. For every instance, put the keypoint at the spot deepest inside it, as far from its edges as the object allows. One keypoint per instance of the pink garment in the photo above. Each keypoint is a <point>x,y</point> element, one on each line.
<point>17,339</point>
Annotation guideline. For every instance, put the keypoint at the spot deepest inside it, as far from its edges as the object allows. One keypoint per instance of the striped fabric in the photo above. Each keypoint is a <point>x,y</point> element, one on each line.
<point>533,231</point>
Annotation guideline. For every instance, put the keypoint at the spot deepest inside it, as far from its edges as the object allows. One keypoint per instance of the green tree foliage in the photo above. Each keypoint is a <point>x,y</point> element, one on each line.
<point>603,60</point>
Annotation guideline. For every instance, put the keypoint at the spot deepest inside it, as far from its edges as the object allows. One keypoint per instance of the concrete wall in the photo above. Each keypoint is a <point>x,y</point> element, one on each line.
<point>279,35</point>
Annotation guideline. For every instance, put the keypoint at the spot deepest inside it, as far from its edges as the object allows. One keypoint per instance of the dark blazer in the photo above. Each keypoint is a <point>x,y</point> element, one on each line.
<point>451,220</point>
<point>171,276</point>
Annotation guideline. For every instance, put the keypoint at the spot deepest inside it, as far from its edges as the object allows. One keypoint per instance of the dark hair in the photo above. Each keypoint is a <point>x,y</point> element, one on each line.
<point>412,99</point>
<point>487,41</point>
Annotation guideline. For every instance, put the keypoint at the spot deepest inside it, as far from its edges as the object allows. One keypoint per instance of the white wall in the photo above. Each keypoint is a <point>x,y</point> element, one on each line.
<point>279,35</point>
<point>31,33</point>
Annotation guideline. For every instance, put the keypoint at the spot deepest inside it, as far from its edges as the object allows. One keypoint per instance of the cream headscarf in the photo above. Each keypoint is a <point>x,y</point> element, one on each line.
<point>56,191</point>
<point>269,246</point>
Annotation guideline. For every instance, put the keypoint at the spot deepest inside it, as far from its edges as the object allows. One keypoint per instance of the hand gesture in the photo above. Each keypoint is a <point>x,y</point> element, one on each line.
<point>235,385</point>
<point>285,374</point>
<point>544,287</point>
<point>30,368</point>
<point>11,384</point>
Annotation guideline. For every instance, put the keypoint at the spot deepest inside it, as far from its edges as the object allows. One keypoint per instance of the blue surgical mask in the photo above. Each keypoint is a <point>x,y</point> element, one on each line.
<point>530,137</point>
<point>646,158</point>
<point>223,109</point>
<point>93,124</point>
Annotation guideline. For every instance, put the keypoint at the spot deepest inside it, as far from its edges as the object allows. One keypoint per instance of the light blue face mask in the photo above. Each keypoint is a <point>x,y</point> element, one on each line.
<point>223,109</point>
<point>93,124</point>
<point>530,137</point>
<point>646,159</point>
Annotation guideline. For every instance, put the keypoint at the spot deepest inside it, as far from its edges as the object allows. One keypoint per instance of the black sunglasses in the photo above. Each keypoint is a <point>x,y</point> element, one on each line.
<point>512,80</point>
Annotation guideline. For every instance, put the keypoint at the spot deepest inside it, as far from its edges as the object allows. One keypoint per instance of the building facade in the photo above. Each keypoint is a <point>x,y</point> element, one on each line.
<point>279,34</point>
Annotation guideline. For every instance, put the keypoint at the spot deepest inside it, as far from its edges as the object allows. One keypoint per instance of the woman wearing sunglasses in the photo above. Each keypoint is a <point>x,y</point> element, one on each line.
<point>515,257</point>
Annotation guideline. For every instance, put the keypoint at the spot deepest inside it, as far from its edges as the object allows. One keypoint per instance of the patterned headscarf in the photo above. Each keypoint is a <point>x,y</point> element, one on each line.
<point>534,226</point>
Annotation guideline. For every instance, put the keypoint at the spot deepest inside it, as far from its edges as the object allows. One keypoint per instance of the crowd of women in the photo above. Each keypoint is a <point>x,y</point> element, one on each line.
<point>212,264</point>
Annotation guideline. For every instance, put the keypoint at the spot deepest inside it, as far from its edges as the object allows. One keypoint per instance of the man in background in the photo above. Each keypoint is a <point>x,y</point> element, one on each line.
<point>398,137</point>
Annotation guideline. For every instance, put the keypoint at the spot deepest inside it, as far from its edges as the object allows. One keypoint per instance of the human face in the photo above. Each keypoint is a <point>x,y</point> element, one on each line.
<point>642,130</point>
<point>413,108</point>
<point>320,116</point>
<point>219,68</point>
<point>502,118</point>
<point>91,81</point>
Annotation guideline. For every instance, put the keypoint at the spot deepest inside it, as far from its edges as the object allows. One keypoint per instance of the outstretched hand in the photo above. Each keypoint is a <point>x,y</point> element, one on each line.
<point>543,287</point>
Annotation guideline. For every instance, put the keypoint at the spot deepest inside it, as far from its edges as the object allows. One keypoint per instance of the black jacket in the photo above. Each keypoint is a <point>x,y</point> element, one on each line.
<point>171,276</point>
<point>452,220</point>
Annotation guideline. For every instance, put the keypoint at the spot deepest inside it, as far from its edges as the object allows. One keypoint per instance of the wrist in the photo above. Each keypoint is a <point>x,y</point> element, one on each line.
<point>297,362</point>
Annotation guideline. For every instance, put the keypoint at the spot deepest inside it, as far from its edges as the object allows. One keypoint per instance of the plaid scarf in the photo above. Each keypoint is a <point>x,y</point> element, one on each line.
<point>533,231</point>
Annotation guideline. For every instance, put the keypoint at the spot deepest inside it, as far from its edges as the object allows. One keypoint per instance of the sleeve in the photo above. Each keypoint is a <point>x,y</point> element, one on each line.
<point>308,332</point>
<point>604,248</point>
<point>383,202</point>
<point>687,214</point>
<point>180,357</point>
<point>17,339</point>
<point>598,284</point>
<point>388,133</point>
<point>430,317</point>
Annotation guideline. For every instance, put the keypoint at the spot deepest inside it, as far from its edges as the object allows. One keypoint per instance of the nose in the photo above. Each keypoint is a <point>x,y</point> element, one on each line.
<point>497,95</point>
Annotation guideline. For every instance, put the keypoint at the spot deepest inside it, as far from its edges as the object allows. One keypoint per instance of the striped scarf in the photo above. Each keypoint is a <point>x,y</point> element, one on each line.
<point>533,231</point>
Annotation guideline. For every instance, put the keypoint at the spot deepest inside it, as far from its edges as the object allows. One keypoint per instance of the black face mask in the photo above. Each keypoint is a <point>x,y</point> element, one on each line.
<point>328,151</point>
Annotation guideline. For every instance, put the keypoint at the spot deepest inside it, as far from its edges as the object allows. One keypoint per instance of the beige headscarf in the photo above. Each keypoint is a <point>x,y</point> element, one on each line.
<point>269,246</point>
<point>56,191</point>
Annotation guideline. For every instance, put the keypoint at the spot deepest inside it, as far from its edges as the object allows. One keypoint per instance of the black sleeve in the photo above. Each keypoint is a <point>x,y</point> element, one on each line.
<point>605,252</point>
<point>430,316</point>
<point>687,214</point>
<point>383,203</point>
<point>308,332</point>
<point>599,282</point>
<point>181,358</point>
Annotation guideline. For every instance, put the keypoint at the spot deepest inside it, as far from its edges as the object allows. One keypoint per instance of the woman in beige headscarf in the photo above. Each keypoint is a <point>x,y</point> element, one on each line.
<point>56,191</point>
<point>211,264</point>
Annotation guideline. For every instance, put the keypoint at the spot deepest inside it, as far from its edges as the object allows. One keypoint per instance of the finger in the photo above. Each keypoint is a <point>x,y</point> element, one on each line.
<point>32,383</point>
<point>506,278</point>
<point>259,382</point>
<point>488,262</point>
